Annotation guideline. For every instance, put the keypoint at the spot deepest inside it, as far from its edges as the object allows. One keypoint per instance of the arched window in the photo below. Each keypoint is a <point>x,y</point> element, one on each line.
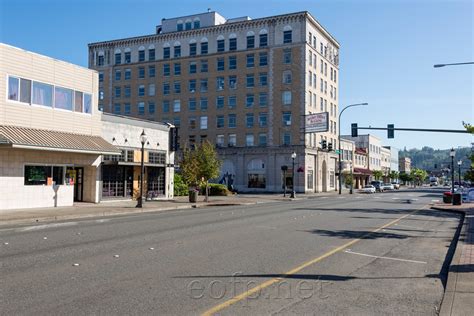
<point>141,53</point>
<point>118,56</point>
<point>177,49</point>
<point>250,39</point>
<point>263,38</point>
<point>179,25</point>
<point>287,35</point>
<point>233,41</point>
<point>196,23</point>
<point>188,25</point>
<point>220,43</point>
<point>204,46</point>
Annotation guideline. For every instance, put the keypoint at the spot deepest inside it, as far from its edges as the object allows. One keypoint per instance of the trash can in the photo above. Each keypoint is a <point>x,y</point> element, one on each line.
<point>193,194</point>
<point>447,197</point>
<point>457,199</point>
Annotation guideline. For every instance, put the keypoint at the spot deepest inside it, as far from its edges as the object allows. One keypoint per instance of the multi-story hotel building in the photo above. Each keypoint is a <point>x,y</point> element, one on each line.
<point>244,84</point>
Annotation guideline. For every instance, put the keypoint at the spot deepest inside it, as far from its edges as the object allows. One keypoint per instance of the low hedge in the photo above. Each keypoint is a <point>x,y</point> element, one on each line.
<point>215,189</point>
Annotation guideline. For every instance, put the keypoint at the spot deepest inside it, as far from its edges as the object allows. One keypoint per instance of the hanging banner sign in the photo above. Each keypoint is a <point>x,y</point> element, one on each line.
<point>317,123</point>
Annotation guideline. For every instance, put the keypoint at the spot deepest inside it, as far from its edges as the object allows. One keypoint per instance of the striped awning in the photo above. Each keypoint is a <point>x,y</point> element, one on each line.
<point>39,139</point>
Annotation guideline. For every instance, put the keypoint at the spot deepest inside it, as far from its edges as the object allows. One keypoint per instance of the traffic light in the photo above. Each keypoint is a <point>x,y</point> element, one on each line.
<point>173,139</point>
<point>324,144</point>
<point>390,131</point>
<point>354,130</point>
<point>330,147</point>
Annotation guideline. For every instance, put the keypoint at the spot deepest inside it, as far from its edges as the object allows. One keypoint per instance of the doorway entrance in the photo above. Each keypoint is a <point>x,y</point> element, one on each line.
<point>75,175</point>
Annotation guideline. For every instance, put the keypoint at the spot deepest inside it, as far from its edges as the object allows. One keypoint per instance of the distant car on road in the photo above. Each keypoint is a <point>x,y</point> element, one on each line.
<point>396,185</point>
<point>388,186</point>
<point>378,185</point>
<point>368,189</point>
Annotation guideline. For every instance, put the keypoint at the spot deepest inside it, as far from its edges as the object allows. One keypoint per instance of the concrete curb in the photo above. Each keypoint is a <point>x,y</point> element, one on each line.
<point>447,303</point>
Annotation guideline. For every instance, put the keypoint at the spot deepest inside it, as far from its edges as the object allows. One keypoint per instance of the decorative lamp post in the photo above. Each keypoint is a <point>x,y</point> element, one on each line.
<point>459,171</point>
<point>293,156</point>
<point>352,178</point>
<point>452,153</point>
<point>339,139</point>
<point>143,139</point>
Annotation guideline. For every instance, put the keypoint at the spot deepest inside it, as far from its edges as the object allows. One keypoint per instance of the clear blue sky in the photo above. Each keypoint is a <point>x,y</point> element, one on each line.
<point>387,55</point>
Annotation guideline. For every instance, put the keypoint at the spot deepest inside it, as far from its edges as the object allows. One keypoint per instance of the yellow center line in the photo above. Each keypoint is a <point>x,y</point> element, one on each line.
<point>270,282</point>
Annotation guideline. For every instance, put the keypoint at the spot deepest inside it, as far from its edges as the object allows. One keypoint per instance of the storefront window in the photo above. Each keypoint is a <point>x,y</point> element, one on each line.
<point>44,175</point>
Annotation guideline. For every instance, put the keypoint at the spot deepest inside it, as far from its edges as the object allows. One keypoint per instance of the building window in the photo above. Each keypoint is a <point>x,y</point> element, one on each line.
<point>249,120</point>
<point>286,138</point>
<point>203,104</point>
<point>192,122</point>
<point>141,108</point>
<point>204,48</point>
<point>192,104</point>
<point>232,140</point>
<point>232,121</point>
<point>204,66</point>
<point>151,71</point>
<point>188,25</point>
<point>127,91</point>
<point>233,44</point>
<point>117,108</point>
<point>197,24</point>
<point>177,86</point>
<point>118,91</point>
<point>287,78</point>
<point>166,106</point>
<point>166,70</point>
<point>118,58</point>
<point>232,102</point>
<point>166,88</point>
<point>250,81</point>
<point>192,67</point>
<point>250,60</point>
<point>177,51</point>
<point>166,52</point>
<point>287,56</point>
<point>220,121</point>
<point>101,76</point>
<point>203,85</point>
<point>287,37</point>
<point>128,57</point>
<point>192,49</point>
<point>220,64</point>
<point>141,73</point>
<point>40,175</point>
<point>286,96</point>
<point>232,62</point>
<point>141,55</point>
<point>141,90</point>
<point>220,102</point>
<point>151,90</point>
<point>249,100</point>
<point>263,79</point>
<point>151,107</point>
<point>220,82</point>
<point>263,58</point>
<point>177,69</point>
<point>220,140</point>
<point>286,117</point>
<point>151,54</point>
<point>249,140</point>
<point>262,119</point>
<point>263,40</point>
<point>232,82</point>
<point>192,85</point>
<point>42,94</point>
<point>126,109</point>
<point>262,139</point>
<point>100,60</point>
<point>177,106</point>
<point>118,74</point>
<point>220,45</point>
<point>203,122</point>
<point>63,98</point>
<point>262,99</point>
<point>250,41</point>
<point>179,27</point>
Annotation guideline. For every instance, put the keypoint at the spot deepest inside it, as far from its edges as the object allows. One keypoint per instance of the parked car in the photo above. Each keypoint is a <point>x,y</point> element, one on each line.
<point>368,189</point>
<point>396,185</point>
<point>388,186</point>
<point>378,185</point>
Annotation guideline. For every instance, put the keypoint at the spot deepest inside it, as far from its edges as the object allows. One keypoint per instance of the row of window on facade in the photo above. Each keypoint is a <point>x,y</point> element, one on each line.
<point>126,57</point>
<point>203,103</point>
<point>39,93</point>
<point>251,140</point>
<point>323,84</point>
<point>324,50</point>
<point>323,68</point>
<point>127,155</point>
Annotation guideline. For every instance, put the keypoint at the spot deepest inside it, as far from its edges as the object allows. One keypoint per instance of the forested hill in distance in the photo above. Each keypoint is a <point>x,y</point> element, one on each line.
<point>427,157</point>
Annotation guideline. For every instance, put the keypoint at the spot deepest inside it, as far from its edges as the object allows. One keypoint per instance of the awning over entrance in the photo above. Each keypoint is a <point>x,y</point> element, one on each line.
<point>38,139</point>
<point>362,171</point>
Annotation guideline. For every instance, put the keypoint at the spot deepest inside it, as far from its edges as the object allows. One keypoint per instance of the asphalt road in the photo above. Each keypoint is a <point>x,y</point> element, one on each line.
<point>358,255</point>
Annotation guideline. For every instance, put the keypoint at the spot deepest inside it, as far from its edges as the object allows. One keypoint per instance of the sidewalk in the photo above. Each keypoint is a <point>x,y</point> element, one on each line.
<point>459,293</point>
<point>111,208</point>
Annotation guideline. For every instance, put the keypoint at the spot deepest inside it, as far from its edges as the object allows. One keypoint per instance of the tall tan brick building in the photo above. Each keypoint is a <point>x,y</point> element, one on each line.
<point>243,84</point>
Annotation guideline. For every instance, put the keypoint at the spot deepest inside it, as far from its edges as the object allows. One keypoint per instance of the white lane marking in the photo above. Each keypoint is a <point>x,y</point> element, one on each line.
<point>39,227</point>
<point>381,257</point>
<point>102,220</point>
<point>324,197</point>
<point>435,201</point>
<point>377,197</point>
<point>341,197</point>
<point>358,197</point>
<point>408,226</point>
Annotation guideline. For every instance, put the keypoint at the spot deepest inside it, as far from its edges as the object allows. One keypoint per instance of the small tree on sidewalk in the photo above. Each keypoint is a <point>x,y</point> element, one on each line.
<point>394,175</point>
<point>377,174</point>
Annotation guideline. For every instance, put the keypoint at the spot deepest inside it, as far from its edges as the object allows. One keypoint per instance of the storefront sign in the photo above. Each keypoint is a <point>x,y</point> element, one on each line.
<point>317,123</point>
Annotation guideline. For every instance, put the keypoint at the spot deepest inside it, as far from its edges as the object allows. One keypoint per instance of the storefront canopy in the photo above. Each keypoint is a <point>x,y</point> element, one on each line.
<point>38,139</point>
<point>362,171</point>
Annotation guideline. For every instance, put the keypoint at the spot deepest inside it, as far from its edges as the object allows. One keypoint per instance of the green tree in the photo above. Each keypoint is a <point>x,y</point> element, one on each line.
<point>377,174</point>
<point>469,175</point>
<point>394,175</point>
<point>418,175</point>
<point>405,177</point>
<point>200,165</point>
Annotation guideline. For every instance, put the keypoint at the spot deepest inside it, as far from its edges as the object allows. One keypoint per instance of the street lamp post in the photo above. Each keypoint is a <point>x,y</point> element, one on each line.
<point>352,178</point>
<point>339,140</point>
<point>143,139</point>
<point>452,153</point>
<point>459,171</point>
<point>292,196</point>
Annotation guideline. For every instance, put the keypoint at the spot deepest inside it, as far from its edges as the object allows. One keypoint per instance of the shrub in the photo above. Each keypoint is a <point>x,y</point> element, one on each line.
<point>180,188</point>
<point>216,189</point>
